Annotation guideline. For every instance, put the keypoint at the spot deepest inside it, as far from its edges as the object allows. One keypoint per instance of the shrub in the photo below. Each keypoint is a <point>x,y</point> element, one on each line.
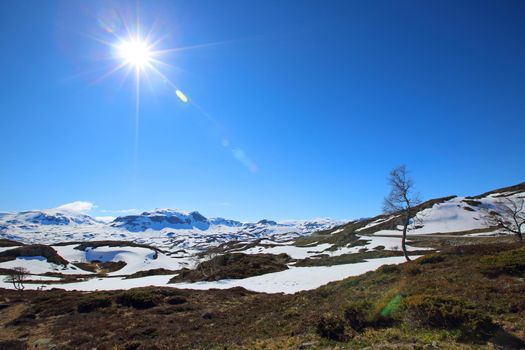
<point>472,202</point>
<point>388,269</point>
<point>151,272</point>
<point>357,315</point>
<point>411,269</point>
<point>447,313</point>
<point>430,259</point>
<point>292,311</point>
<point>27,318</point>
<point>177,300</point>
<point>510,262</point>
<point>382,310</point>
<point>132,345</point>
<point>138,298</point>
<point>332,327</point>
<point>90,303</point>
<point>232,266</point>
<point>13,345</point>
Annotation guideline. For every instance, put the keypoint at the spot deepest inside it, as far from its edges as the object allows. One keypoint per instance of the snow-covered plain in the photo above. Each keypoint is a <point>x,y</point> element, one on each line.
<point>293,251</point>
<point>39,265</point>
<point>373,242</point>
<point>136,258</point>
<point>296,279</point>
<point>293,280</point>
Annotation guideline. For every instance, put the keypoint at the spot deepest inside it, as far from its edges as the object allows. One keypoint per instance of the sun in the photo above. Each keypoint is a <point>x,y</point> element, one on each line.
<point>135,53</point>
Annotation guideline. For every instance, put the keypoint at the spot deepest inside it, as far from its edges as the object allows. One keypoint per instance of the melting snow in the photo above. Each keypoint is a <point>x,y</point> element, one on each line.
<point>289,281</point>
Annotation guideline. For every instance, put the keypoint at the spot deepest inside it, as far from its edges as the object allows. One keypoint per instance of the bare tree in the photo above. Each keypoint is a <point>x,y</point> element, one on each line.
<point>509,215</point>
<point>17,276</point>
<point>401,200</point>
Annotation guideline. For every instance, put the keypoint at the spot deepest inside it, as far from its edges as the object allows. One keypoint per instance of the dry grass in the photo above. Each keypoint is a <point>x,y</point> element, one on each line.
<point>405,306</point>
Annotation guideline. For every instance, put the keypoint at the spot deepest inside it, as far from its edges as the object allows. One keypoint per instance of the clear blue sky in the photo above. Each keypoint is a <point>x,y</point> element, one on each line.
<point>317,100</point>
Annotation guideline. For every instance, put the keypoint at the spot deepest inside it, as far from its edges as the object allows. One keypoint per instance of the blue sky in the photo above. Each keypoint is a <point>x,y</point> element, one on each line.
<point>299,111</point>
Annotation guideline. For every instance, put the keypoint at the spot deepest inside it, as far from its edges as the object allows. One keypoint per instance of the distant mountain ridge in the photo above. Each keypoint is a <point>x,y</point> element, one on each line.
<point>46,217</point>
<point>170,218</point>
<point>168,228</point>
<point>160,219</point>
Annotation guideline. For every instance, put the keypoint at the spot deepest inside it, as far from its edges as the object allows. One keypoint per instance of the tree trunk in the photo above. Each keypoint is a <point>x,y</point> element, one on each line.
<point>403,240</point>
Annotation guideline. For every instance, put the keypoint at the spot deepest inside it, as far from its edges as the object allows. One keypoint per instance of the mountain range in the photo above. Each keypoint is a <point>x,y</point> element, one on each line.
<point>160,227</point>
<point>173,229</point>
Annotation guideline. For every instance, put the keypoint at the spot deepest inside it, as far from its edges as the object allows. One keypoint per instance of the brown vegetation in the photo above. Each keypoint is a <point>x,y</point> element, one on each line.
<point>444,300</point>
<point>233,265</point>
<point>95,244</point>
<point>33,250</point>
<point>100,267</point>
<point>9,243</point>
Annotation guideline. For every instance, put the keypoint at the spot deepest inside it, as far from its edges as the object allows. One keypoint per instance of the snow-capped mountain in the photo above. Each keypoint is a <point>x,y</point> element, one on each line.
<point>170,218</point>
<point>167,229</point>
<point>164,219</point>
<point>176,230</point>
<point>35,218</point>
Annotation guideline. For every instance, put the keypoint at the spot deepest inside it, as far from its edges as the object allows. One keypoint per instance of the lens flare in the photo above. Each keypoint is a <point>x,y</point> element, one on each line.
<point>181,96</point>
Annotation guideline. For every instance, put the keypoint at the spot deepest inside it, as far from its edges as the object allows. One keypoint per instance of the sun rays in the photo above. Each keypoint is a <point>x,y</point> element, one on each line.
<point>142,54</point>
<point>135,52</point>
